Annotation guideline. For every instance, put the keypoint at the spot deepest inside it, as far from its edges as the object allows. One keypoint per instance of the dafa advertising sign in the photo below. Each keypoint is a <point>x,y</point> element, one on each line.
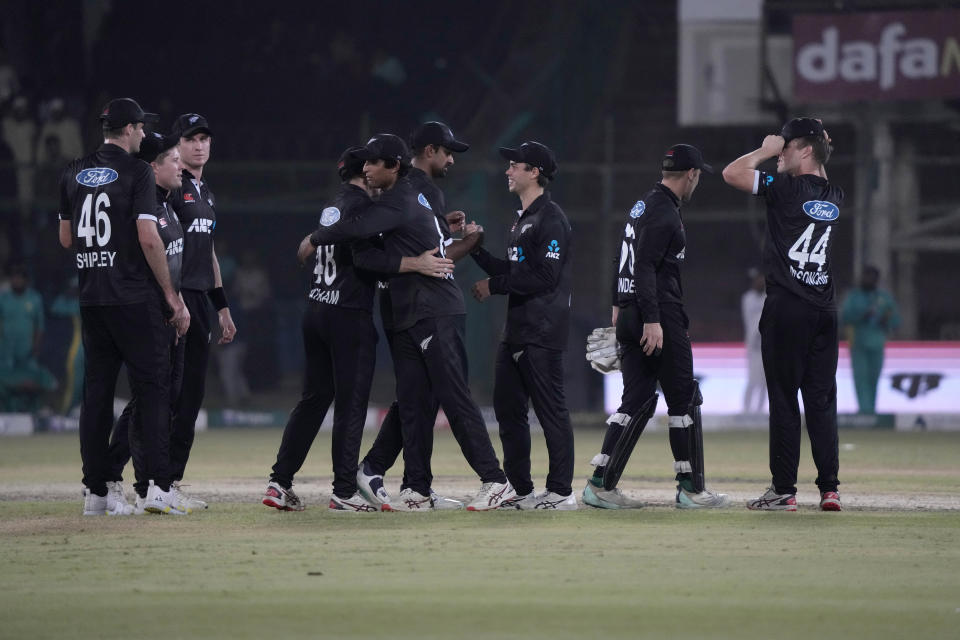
<point>895,55</point>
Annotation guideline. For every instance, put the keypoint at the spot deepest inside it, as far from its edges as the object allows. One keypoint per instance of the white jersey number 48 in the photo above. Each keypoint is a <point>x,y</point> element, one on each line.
<point>800,251</point>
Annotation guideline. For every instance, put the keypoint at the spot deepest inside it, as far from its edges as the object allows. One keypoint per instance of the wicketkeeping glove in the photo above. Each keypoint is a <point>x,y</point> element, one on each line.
<point>602,350</point>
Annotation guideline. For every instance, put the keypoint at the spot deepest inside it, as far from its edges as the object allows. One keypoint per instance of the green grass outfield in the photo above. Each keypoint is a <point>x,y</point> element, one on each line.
<point>882,569</point>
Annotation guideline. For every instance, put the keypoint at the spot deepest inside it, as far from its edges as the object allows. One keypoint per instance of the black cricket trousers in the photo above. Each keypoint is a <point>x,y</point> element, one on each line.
<point>135,335</point>
<point>430,361</point>
<point>196,354</point>
<point>524,374</point>
<point>672,368</point>
<point>799,346</point>
<point>341,352</point>
<point>120,439</point>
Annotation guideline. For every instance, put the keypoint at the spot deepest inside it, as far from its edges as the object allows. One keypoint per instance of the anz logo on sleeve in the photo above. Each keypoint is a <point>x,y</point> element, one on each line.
<point>553,250</point>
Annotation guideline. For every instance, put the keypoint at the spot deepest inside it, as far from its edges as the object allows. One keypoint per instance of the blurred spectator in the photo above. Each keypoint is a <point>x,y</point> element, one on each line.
<point>67,305</point>
<point>22,379</point>
<point>870,315</point>
<point>751,306</point>
<point>50,165</point>
<point>10,234</point>
<point>62,127</point>
<point>20,134</point>
<point>230,356</point>
<point>252,292</point>
<point>9,83</point>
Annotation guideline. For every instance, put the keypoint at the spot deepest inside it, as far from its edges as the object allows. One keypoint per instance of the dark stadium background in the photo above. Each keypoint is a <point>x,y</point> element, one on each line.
<point>286,86</point>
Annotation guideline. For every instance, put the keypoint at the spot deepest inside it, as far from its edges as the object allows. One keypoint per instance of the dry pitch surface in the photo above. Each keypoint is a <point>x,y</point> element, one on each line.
<point>889,566</point>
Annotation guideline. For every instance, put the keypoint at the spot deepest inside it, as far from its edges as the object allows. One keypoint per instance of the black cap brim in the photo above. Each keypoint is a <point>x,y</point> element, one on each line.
<point>366,153</point>
<point>456,146</point>
<point>511,154</point>
<point>195,130</point>
<point>151,118</point>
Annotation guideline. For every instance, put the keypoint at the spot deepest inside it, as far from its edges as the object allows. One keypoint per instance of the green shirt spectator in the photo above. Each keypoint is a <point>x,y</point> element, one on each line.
<point>871,314</point>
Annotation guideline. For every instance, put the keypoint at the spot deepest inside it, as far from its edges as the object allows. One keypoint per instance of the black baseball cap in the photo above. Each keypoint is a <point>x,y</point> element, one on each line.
<point>350,165</point>
<point>154,144</point>
<point>801,128</point>
<point>534,154</point>
<point>123,111</point>
<point>385,146</point>
<point>681,157</point>
<point>189,124</point>
<point>436,133</point>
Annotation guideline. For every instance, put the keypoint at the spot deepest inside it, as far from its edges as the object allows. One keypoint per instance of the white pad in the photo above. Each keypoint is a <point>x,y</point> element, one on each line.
<point>619,418</point>
<point>679,422</point>
<point>682,466</point>
<point>600,460</point>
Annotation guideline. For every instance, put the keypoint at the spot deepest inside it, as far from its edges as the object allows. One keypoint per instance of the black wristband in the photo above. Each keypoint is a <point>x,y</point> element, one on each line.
<point>218,298</point>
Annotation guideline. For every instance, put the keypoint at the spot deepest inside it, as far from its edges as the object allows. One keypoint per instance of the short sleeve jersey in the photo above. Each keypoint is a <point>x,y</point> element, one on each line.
<point>103,195</point>
<point>171,233</point>
<point>195,205</point>
<point>801,214</point>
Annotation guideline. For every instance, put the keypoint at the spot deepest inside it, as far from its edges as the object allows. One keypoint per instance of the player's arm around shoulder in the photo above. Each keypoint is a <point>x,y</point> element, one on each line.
<point>741,173</point>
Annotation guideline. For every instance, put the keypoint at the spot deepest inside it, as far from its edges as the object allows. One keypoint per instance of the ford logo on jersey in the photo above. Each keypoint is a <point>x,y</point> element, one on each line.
<point>821,210</point>
<point>638,209</point>
<point>422,199</point>
<point>97,176</point>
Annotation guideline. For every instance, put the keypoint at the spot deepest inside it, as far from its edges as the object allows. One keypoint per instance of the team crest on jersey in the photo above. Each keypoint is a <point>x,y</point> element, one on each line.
<point>821,210</point>
<point>97,176</point>
<point>422,199</point>
<point>638,209</point>
<point>329,216</point>
<point>188,198</point>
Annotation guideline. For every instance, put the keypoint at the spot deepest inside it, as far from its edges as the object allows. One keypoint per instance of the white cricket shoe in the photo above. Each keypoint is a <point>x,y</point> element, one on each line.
<point>117,504</point>
<point>283,499</point>
<point>140,506</point>
<point>704,500</point>
<point>613,499</point>
<point>371,487</point>
<point>94,505</point>
<point>164,502</point>
<point>353,504</point>
<point>443,503</point>
<point>408,500</point>
<point>548,500</point>
<point>514,502</point>
<point>195,504</point>
<point>492,495</point>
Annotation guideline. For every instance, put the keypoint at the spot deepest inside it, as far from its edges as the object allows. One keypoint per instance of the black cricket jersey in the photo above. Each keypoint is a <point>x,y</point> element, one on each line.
<point>652,246</point>
<point>171,233</point>
<point>103,195</point>
<point>536,275</point>
<point>801,213</point>
<point>402,215</point>
<point>422,183</point>
<point>371,252</point>
<point>194,204</point>
<point>335,280</point>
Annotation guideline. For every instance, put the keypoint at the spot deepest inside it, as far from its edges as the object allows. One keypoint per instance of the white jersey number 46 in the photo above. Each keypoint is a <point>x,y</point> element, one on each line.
<point>800,251</point>
<point>94,221</point>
